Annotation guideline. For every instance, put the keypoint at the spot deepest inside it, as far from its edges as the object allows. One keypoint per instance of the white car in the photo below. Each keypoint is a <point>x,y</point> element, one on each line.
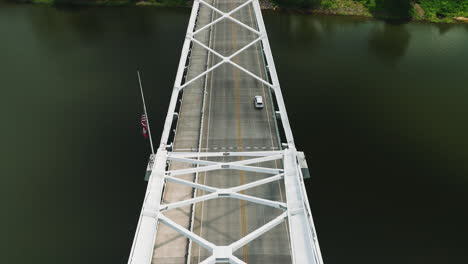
<point>258,101</point>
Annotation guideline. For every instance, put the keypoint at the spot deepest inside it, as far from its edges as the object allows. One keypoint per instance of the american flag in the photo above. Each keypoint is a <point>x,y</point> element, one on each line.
<point>144,124</point>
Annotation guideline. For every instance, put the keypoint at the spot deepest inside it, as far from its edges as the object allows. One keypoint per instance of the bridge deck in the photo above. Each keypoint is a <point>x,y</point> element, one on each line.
<point>171,247</point>
<point>228,122</point>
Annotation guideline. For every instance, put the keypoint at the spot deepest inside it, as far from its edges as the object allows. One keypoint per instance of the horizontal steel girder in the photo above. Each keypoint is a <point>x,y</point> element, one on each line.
<point>303,238</point>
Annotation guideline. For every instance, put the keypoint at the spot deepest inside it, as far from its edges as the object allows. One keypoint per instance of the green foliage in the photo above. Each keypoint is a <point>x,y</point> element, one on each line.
<point>46,2</point>
<point>370,4</point>
<point>434,10</point>
<point>329,4</point>
<point>444,10</point>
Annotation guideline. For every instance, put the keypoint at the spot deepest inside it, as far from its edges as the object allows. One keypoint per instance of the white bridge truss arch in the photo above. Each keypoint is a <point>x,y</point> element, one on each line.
<point>296,210</point>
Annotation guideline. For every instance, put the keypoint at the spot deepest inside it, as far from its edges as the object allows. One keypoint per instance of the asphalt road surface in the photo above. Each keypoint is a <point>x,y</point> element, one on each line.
<point>218,114</point>
<point>232,123</point>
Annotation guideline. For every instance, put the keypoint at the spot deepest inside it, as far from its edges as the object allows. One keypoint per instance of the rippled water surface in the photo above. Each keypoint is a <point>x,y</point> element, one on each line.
<point>380,110</point>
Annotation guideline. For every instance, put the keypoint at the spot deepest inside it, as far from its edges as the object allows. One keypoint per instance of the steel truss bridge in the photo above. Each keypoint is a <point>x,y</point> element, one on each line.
<point>226,183</point>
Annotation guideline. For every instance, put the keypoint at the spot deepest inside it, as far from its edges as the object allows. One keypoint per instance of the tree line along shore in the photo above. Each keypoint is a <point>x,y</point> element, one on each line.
<point>444,11</point>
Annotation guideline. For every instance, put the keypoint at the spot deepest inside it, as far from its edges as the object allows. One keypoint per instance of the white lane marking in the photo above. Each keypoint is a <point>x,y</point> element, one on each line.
<point>271,134</point>
<point>208,131</point>
<point>217,148</point>
<point>207,135</point>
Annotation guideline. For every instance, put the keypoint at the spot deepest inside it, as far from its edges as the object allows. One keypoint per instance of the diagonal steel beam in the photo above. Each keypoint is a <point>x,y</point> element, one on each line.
<point>235,260</point>
<point>254,169</point>
<point>239,162</point>
<point>223,15</point>
<point>251,74</point>
<point>207,48</point>
<point>258,160</point>
<point>228,59</point>
<point>228,15</point>
<point>274,76</point>
<point>201,75</point>
<point>178,79</point>
<point>191,184</point>
<point>257,200</point>
<point>225,166</point>
<point>194,170</point>
<point>257,183</point>
<point>243,25</point>
<point>188,234</point>
<point>235,165</point>
<point>303,238</point>
<point>225,154</point>
<point>174,205</point>
<point>208,25</point>
<point>258,232</point>
<point>210,260</point>
<point>192,161</point>
<point>246,47</point>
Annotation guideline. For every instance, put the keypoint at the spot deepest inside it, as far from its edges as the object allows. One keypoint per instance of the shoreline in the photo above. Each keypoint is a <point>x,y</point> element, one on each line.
<point>264,4</point>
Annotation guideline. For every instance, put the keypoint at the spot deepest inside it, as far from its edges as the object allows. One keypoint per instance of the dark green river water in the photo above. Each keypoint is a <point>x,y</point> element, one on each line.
<point>380,110</point>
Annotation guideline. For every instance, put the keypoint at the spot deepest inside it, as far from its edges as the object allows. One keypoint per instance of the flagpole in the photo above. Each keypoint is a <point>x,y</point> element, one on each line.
<point>146,114</point>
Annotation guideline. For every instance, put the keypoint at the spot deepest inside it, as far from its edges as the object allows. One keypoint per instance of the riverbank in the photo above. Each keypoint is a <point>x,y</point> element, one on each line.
<point>375,98</point>
<point>159,3</point>
<point>437,11</point>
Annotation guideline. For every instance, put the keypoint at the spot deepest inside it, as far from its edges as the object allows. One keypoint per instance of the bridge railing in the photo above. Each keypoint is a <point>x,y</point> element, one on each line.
<point>305,248</point>
<point>302,236</point>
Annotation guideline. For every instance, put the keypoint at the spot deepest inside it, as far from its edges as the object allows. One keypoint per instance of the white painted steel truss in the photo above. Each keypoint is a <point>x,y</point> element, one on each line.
<point>304,244</point>
<point>181,83</point>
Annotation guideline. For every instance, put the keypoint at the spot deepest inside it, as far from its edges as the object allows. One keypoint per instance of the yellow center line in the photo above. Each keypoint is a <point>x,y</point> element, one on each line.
<point>239,143</point>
